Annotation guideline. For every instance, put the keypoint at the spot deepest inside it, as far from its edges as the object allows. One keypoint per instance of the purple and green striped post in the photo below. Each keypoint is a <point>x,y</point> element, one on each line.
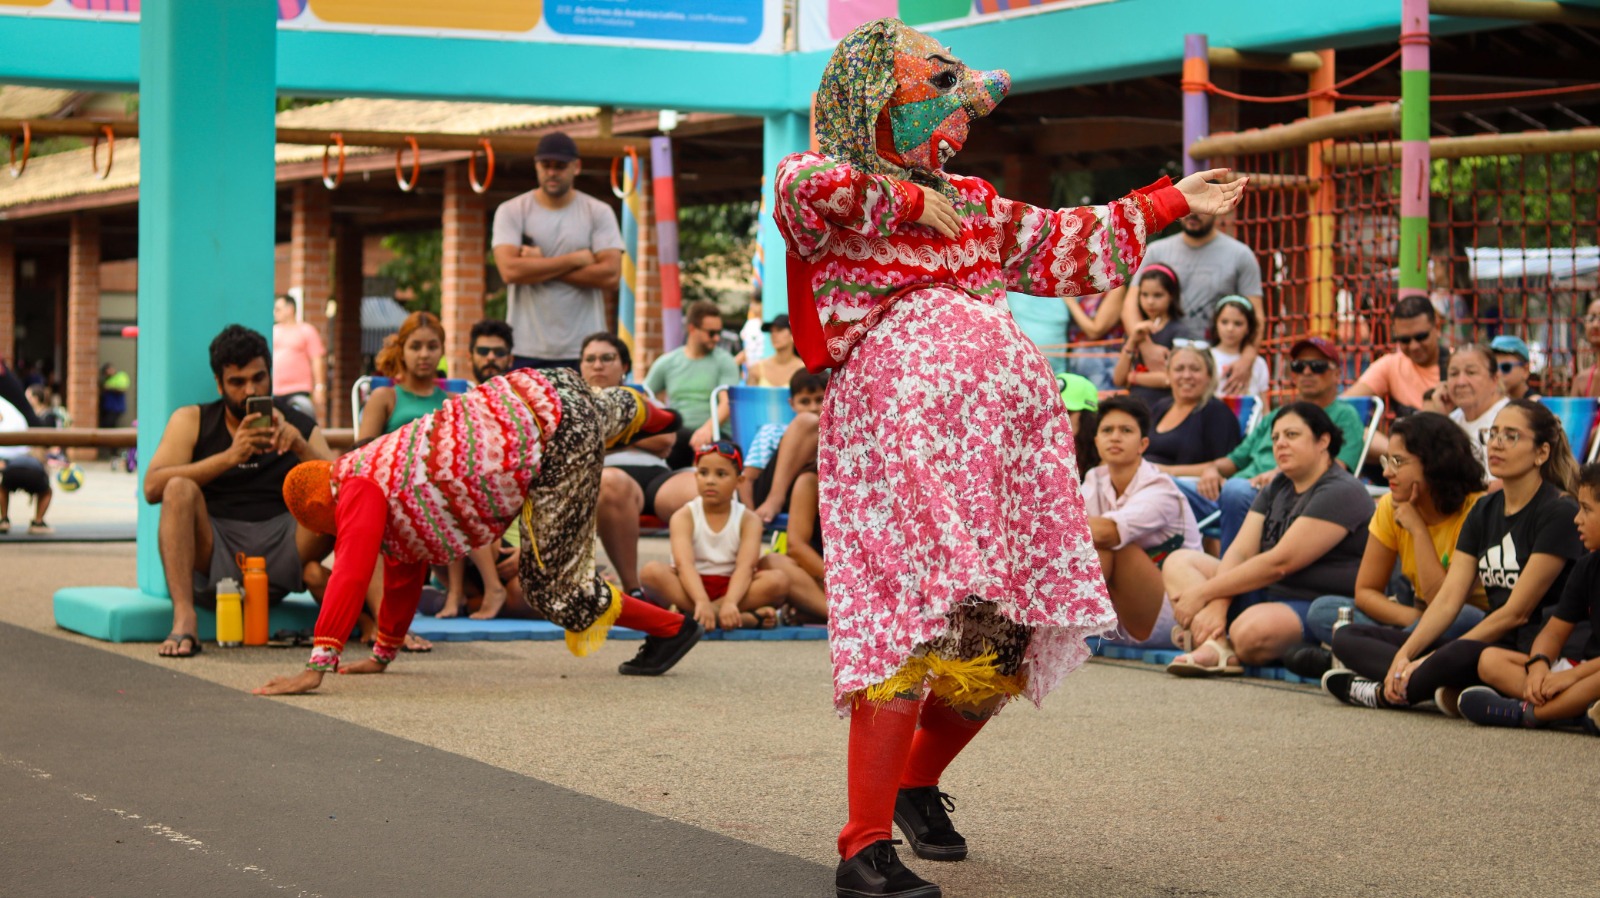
<point>1415,163</point>
<point>666,200</point>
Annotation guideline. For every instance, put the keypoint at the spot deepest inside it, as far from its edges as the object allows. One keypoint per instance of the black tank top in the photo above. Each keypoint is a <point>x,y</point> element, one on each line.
<point>252,491</point>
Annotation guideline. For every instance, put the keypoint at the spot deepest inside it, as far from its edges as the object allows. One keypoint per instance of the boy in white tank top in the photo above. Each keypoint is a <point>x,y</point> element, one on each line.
<point>716,543</point>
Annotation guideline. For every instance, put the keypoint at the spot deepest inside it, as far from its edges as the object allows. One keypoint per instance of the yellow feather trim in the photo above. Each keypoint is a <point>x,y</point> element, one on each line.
<point>583,643</point>
<point>968,681</point>
<point>639,411</point>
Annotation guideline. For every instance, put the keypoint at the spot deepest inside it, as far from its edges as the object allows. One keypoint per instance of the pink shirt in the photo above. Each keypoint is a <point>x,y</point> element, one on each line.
<point>1149,512</point>
<point>1395,378</point>
<point>293,347</point>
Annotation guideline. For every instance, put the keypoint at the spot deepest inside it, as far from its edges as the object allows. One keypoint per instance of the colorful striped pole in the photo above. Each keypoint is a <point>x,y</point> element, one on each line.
<point>666,198</point>
<point>1320,226</point>
<point>1415,163</point>
<point>628,289</point>
<point>1196,110</point>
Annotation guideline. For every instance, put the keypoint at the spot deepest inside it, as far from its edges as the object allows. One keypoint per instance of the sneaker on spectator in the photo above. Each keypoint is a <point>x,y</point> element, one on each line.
<point>1448,701</point>
<point>660,653</point>
<point>1351,689</point>
<point>1309,661</point>
<point>1486,707</point>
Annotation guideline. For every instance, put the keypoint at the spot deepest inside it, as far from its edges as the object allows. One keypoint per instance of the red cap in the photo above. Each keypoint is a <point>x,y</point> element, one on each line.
<point>1320,344</point>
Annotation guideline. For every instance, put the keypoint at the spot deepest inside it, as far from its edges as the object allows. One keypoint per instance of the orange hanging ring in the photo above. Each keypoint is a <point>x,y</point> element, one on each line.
<point>416,166</point>
<point>17,168</point>
<point>94,152</point>
<point>629,184</point>
<point>472,166</point>
<point>338,178</point>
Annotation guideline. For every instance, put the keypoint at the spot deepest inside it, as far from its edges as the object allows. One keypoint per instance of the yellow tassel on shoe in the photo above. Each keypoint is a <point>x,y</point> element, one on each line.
<point>628,431</point>
<point>582,643</point>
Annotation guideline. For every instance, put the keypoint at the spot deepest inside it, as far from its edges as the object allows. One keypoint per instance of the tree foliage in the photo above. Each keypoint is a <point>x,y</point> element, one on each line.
<point>416,267</point>
<point>715,244</point>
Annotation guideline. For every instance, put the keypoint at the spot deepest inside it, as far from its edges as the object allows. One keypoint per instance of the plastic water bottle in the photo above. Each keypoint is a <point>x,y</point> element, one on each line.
<point>254,568</point>
<point>230,614</point>
<point>1347,616</point>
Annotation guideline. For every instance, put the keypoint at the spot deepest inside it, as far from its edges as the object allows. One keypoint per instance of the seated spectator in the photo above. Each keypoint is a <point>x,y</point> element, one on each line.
<point>776,369</point>
<point>1437,400</point>
<point>409,357</point>
<point>1093,318</point>
<point>218,476</point>
<point>801,560</point>
<point>1518,542</point>
<point>779,452</point>
<point>1558,679</point>
<point>498,587</point>
<point>1513,362</point>
<point>1434,480</point>
<point>1234,327</point>
<point>684,379</point>
<point>1137,516</point>
<point>715,547</point>
<point>14,390</point>
<point>114,386</point>
<point>636,480</point>
<point>1418,362</point>
<point>1230,483</point>
<point>21,471</point>
<point>1585,383</point>
<point>1082,400</point>
<point>1142,366</point>
<point>1304,538</point>
<point>48,415</point>
<point>1475,392</point>
<point>1191,425</point>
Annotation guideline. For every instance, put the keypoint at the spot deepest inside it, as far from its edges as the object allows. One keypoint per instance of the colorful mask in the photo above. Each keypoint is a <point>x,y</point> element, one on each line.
<point>894,101</point>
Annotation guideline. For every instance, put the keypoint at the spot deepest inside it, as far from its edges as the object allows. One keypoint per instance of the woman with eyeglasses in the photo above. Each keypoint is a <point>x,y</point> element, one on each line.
<point>1191,426</point>
<point>1475,390</point>
<point>1303,538</point>
<point>1585,383</point>
<point>1434,481</point>
<point>1518,544</point>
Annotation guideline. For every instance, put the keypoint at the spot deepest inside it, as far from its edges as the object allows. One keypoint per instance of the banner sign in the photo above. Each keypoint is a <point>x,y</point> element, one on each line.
<point>824,22</point>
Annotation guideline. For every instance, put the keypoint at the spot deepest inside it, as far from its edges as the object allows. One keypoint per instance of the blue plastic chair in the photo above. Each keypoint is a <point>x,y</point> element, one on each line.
<point>1577,414</point>
<point>749,409</point>
<point>1247,409</point>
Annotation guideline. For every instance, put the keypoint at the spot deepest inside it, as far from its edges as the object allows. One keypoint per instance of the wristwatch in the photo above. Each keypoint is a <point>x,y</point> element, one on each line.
<point>1545,658</point>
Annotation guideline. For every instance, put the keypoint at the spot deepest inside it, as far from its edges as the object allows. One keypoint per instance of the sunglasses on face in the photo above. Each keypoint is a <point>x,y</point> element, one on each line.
<point>604,359</point>
<point>1508,367</point>
<point>724,448</point>
<point>1408,339</point>
<point>493,352</point>
<point>1315,366</point>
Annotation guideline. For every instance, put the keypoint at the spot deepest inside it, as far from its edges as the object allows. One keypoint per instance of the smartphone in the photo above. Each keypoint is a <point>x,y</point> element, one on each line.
<point>259,405</point>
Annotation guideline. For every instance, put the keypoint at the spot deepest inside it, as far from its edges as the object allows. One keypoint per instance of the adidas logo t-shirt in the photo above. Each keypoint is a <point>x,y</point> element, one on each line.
<point>1504,544</point>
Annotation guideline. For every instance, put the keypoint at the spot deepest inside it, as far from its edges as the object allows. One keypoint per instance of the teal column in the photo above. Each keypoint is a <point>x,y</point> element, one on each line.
<point>782,133</point>
<point>207,97</point>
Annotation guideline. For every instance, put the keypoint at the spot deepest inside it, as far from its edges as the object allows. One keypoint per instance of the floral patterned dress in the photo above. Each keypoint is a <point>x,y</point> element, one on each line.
<point>949,494</point>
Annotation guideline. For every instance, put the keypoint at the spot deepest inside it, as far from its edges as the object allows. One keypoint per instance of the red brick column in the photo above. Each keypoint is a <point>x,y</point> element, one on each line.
<point>8,297</point>
<point>83,325</point>
<point>462,282</point>
<point>344,363</point>
<point>648,337</point>
<point>310,267</point>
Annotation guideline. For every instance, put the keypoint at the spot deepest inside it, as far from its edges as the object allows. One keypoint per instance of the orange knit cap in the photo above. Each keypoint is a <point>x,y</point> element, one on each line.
<point>308,491</point>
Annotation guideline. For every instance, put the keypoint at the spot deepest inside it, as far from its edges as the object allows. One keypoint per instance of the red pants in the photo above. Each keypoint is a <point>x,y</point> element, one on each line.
<point>361,515</point>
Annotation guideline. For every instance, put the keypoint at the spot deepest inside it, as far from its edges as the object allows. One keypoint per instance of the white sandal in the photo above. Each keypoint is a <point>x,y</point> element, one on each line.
<point>1227,662</point>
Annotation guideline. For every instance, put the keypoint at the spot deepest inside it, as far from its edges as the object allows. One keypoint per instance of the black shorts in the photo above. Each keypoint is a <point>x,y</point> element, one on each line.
<point>762,487</point>
<point>25,473</point>
<point>650,478</point>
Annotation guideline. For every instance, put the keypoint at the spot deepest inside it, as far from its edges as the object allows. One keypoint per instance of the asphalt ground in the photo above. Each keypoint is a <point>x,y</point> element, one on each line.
<point>514,768</point>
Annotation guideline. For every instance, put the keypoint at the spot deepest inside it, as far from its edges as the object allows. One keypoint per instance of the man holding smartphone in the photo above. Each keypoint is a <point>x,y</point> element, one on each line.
<point>218,476</point>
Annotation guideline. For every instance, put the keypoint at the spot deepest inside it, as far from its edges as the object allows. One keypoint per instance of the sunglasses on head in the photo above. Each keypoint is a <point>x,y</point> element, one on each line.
<point>1508,367</point>
<point>497,352</point>
<point>1315,366</point>
<point>1408,339</point>
<point>724,448</point>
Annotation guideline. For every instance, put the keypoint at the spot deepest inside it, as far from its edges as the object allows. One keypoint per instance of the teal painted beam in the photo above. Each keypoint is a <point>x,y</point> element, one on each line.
<point>104,55</point>
<point>206,207</point>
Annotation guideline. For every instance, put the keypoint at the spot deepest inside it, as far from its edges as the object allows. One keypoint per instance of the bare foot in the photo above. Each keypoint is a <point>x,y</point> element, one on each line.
<point>769,510</point>
<point>299,684</point>
<point>493,601</point>
<point>364,666</point>
<point>452,605</point>
<point>760,619</point>
<point>415,643</point>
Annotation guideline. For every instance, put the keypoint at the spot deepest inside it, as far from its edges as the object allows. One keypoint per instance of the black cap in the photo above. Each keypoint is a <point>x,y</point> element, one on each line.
<point>556,147</point>
<point>778,323</point>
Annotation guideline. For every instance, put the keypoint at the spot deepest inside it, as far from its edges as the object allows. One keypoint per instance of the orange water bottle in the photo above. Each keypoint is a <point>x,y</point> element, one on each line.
<point>254,569</point>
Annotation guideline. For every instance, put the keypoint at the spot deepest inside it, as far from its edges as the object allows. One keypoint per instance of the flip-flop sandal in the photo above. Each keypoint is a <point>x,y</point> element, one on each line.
<point>1182,639</point>
<point>407,646</point>
<point>1227,662</point>
<point>5,525</point>
<point>289,639</point>
<point>180,638</point>
<point>767,621</point>
<point>40,528</point>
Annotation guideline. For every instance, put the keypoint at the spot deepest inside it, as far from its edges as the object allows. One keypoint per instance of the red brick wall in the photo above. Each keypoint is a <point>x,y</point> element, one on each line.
<point>345,365</point>
<point>647,294</point>
<point>8,297</point>
<point>462,280</point>
<point>83,324</point>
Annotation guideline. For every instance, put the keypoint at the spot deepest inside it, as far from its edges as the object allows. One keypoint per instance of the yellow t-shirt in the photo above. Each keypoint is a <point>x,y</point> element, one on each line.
<point>1444,533</point>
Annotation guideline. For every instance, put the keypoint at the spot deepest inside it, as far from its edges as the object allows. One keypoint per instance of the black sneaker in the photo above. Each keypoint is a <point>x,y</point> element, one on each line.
<point>1351,689</point>
<point>922,815</point>
<point>1309,661</point>
<point>876,872</point>
<point>659,653</point>
<point>1486,707</point>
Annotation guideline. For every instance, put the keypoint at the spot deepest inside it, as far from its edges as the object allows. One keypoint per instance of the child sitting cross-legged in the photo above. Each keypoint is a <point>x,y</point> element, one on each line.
<point>780,453</point>
<point>1548,684</point>
<point>715,545</point>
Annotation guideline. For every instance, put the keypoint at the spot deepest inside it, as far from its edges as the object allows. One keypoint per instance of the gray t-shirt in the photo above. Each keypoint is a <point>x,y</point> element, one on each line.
<point>550,320</point>
<point>1222,267</point>
<point>1337,498</point>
